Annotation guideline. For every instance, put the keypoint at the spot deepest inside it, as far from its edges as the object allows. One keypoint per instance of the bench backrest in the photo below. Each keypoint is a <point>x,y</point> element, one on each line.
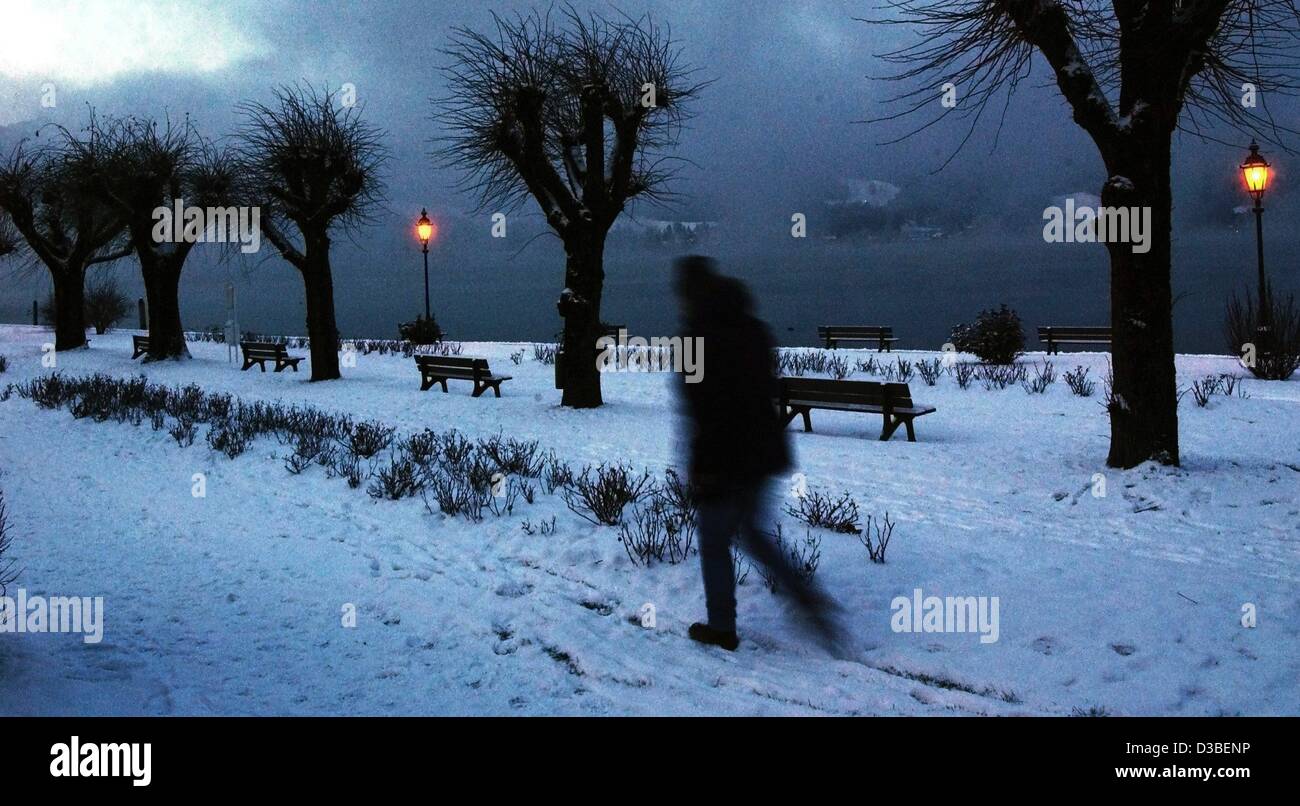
<point>140,340</point>
<point>453,366</point>
<point>855,331</point>
<point>258,348</point>
<point>1058,332</point>
<point>828,390</point>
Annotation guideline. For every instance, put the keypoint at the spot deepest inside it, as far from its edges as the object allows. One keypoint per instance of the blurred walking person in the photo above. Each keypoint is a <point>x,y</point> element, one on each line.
<point>737,444</point>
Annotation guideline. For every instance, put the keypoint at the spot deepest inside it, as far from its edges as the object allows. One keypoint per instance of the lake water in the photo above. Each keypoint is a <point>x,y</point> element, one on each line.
<point>921,288</point>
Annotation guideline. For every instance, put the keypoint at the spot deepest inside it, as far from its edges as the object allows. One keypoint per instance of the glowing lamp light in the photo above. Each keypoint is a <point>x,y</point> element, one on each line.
<point>1256,171</point>
<point>424,228</point>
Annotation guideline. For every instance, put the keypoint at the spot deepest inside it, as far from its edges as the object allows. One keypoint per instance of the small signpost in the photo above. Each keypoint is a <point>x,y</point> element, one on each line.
<point>231,328</point>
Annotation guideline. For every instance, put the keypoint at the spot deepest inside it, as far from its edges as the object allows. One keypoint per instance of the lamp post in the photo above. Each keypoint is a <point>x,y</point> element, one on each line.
<point>424,230</point>
<point>1256,172</point>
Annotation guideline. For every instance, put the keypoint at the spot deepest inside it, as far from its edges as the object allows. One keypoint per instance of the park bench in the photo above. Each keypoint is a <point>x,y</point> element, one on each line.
<point>140,346</point>
<point>1054,336</point>
<point>259,352</point>
<point>893,401</point>
<point>442,368</point>
<point>881,336</point>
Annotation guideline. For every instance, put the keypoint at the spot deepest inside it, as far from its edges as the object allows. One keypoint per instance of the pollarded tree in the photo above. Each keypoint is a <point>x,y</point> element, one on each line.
<point>145,167</point>
<point>313,164</point>
<point>575,115</point>
<point>46,195</point>
<point>1131,72</point>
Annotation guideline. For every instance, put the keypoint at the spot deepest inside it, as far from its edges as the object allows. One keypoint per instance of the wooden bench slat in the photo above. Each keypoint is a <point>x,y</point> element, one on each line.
<point>259,352</point>
<point>893,401</point>
<point>442,368</point>
<point>1054,335</point>
<point>883,335</point>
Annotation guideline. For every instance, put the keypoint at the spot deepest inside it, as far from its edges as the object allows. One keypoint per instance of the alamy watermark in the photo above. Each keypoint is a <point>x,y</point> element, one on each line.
<point>948,614</point>
<point>181,224</point>
<point>54,614</point>
<point>1085,224</point>
<point>684,354</point>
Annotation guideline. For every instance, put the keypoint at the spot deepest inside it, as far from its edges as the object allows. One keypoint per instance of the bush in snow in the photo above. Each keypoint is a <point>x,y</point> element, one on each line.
<point>365,439</point>
<point>7,573</point>
<point>600,496</point>
<point>930,370</point>
<point>867,367</point>
<point>805,557</point>
<point>1079,383</point>
<point>514,457</point>
<point>556,475</point>
<point>964,374</point>
<point>1000,376</point>
<point>545,353</point>
<point>838,367</point>
<point>823,512</point>
<point>420,331</point>
<point>904,370</point>
<point>996,336</point>
<point>400,479</point>
<point>1277,351</point>
<point>656,533</point>
<point>1044,376</point>
<point>182,430</point>
<point>875,537</point>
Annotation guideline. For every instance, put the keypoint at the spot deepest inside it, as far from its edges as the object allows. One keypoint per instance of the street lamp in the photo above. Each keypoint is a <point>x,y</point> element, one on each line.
<point>1256,172</point>
<point>424,229</point>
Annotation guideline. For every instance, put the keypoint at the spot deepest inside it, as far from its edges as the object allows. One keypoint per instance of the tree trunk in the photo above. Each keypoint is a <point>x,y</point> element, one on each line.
<point>1144,407</point>
<point>584,278</point>
<point>69,308</point>
<point>162,279</point>
<point>321,325</point>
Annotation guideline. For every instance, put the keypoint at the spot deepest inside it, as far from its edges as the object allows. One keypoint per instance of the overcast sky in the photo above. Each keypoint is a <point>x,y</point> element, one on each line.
<point>775,131</point>
<point>774,134</point>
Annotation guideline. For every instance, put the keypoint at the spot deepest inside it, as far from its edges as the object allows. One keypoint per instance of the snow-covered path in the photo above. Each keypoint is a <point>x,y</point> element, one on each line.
<point>234,603</point>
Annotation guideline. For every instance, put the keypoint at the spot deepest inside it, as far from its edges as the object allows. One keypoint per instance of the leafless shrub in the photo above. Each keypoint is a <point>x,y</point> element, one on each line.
<point>600,497</point>
<point>1079,382</point>
<point>930,371</point>
<point>1044,376</point>
<point>875,537</point>
<point>964,373</point>
<point>821,511</point>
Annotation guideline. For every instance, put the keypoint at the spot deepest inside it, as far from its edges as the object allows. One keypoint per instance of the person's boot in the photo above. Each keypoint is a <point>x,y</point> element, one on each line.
<point>705,634</point>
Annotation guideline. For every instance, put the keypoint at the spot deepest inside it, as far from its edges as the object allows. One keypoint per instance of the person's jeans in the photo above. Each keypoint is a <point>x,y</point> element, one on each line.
<point>741,514</point>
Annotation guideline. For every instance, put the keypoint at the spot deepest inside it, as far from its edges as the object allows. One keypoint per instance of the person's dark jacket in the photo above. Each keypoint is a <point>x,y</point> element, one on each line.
<point>736,437</point>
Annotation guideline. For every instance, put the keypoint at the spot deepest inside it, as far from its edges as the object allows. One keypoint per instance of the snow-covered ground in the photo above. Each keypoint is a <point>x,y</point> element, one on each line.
<point>1129,602</point>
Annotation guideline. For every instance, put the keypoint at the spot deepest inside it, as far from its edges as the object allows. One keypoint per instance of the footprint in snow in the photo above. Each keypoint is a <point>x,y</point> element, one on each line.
<point>1123,649</point>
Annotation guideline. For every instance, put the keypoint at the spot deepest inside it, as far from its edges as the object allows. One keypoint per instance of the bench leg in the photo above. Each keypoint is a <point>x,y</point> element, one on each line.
<point>496,388</point>
<point>247,364</point>
<point>280,365</point>
<point>890,426</point>
<point>911,435</point>
<point>479,388</point>
<point>443,381</point>
<point>807,420</point>
<point>262,365</point>
<point>425,383</point>
<point>787,414</point>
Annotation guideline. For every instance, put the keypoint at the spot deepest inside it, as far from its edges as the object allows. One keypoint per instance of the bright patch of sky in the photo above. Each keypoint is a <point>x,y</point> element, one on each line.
<point>85,43</point>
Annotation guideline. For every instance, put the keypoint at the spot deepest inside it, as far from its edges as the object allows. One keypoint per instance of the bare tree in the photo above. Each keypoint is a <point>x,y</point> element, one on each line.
<point>1132,72</point>
<point>312,163</point>
<point>577,115</point>
<point>47,195</point>
<point>10,240</point>
<point>144,167</point>
<point>106,305</point>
